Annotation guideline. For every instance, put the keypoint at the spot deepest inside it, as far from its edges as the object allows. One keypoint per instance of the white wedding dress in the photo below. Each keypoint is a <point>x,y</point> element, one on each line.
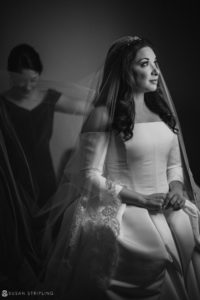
<point>154,256</point>
<point>158,259</point>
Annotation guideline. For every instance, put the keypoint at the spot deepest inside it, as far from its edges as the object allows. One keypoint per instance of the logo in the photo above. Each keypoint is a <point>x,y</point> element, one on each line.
<point>4,293</point>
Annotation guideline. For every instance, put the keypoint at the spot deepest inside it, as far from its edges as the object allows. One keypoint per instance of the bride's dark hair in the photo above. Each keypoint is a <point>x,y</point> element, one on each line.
<point>116,88</point>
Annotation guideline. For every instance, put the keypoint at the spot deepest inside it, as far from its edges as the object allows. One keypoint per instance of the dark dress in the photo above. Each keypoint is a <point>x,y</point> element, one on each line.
<point>19,260</point>
<point>34,130</point>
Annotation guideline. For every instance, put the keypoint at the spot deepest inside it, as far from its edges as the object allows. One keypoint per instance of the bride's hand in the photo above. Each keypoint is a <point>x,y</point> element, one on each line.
<point>175,199</point>
<point>154,202</point>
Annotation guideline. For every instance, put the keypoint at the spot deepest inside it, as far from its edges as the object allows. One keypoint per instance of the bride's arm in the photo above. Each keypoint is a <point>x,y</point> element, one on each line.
<point>95,141</point>
<point>174,164</point>
<point>153,202</point>
<point>175,196</point>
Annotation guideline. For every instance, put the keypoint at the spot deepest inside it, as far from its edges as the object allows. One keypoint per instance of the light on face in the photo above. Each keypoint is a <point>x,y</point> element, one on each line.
<point>145,70</point>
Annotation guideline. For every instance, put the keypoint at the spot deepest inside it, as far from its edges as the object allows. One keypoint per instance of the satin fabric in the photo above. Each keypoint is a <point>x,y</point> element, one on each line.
<point>156,251</point>
<point>118,251</point>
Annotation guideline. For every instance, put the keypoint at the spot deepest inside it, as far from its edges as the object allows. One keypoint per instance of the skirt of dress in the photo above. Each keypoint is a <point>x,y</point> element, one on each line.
<point>152,257</point>
<point>157,257</point>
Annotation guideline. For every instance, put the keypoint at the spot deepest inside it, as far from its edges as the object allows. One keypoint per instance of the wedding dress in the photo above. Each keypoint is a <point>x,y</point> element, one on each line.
<point>117,251</point>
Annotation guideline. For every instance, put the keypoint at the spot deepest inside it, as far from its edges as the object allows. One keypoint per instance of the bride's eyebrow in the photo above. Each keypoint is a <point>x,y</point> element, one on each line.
<point>145,58</point>
<point>141,59</point>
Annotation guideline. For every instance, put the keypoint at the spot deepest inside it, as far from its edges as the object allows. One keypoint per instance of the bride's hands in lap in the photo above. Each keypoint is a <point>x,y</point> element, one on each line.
<point>175,197</point>
<point>154,202</point>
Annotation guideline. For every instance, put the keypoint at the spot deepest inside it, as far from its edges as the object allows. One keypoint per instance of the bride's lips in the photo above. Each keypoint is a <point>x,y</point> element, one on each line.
<point>154,81</point>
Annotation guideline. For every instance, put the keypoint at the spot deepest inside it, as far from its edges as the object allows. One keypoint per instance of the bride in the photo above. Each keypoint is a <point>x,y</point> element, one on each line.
<point>129,225</point>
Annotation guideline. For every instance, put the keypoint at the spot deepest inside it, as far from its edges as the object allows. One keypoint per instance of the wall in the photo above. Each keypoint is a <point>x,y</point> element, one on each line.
<point>72,38</point>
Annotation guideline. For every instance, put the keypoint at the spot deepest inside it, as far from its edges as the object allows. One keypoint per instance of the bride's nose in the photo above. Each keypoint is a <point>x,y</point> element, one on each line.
<point>155,70</point>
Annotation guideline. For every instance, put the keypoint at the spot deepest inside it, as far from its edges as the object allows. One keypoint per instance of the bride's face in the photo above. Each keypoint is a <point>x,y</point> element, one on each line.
<point>145,70</point>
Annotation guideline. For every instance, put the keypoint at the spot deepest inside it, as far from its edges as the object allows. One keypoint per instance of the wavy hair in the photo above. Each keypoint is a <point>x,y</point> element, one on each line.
<point>117,88</point>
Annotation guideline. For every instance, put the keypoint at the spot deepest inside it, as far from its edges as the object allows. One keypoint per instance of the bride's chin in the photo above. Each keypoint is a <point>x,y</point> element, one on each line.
<point>153,88</point>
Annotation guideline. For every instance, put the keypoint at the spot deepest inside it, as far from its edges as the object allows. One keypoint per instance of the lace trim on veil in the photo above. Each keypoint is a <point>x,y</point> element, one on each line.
<point>100,228</point>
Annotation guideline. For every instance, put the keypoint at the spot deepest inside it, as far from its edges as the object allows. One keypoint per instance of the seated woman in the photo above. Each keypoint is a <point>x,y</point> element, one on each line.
<point>128,229</point>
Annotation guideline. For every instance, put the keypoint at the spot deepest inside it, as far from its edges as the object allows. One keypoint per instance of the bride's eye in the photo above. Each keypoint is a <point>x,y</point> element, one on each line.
<point>144,64</point>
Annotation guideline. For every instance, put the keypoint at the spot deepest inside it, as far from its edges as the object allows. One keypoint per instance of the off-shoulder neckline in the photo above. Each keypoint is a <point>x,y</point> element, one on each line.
<point>151,122</point>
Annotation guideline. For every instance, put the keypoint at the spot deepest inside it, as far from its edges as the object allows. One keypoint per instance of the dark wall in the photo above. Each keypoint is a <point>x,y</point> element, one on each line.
<point>73,37</point>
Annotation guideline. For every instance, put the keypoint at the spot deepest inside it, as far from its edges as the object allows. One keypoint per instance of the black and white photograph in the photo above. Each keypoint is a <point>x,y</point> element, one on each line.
<point>99,150</point>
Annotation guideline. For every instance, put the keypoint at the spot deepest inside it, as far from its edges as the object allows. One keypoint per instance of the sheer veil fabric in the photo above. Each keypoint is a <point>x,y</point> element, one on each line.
<point>89,214</point>
<point>81,213</point>
<point>193,188</point>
